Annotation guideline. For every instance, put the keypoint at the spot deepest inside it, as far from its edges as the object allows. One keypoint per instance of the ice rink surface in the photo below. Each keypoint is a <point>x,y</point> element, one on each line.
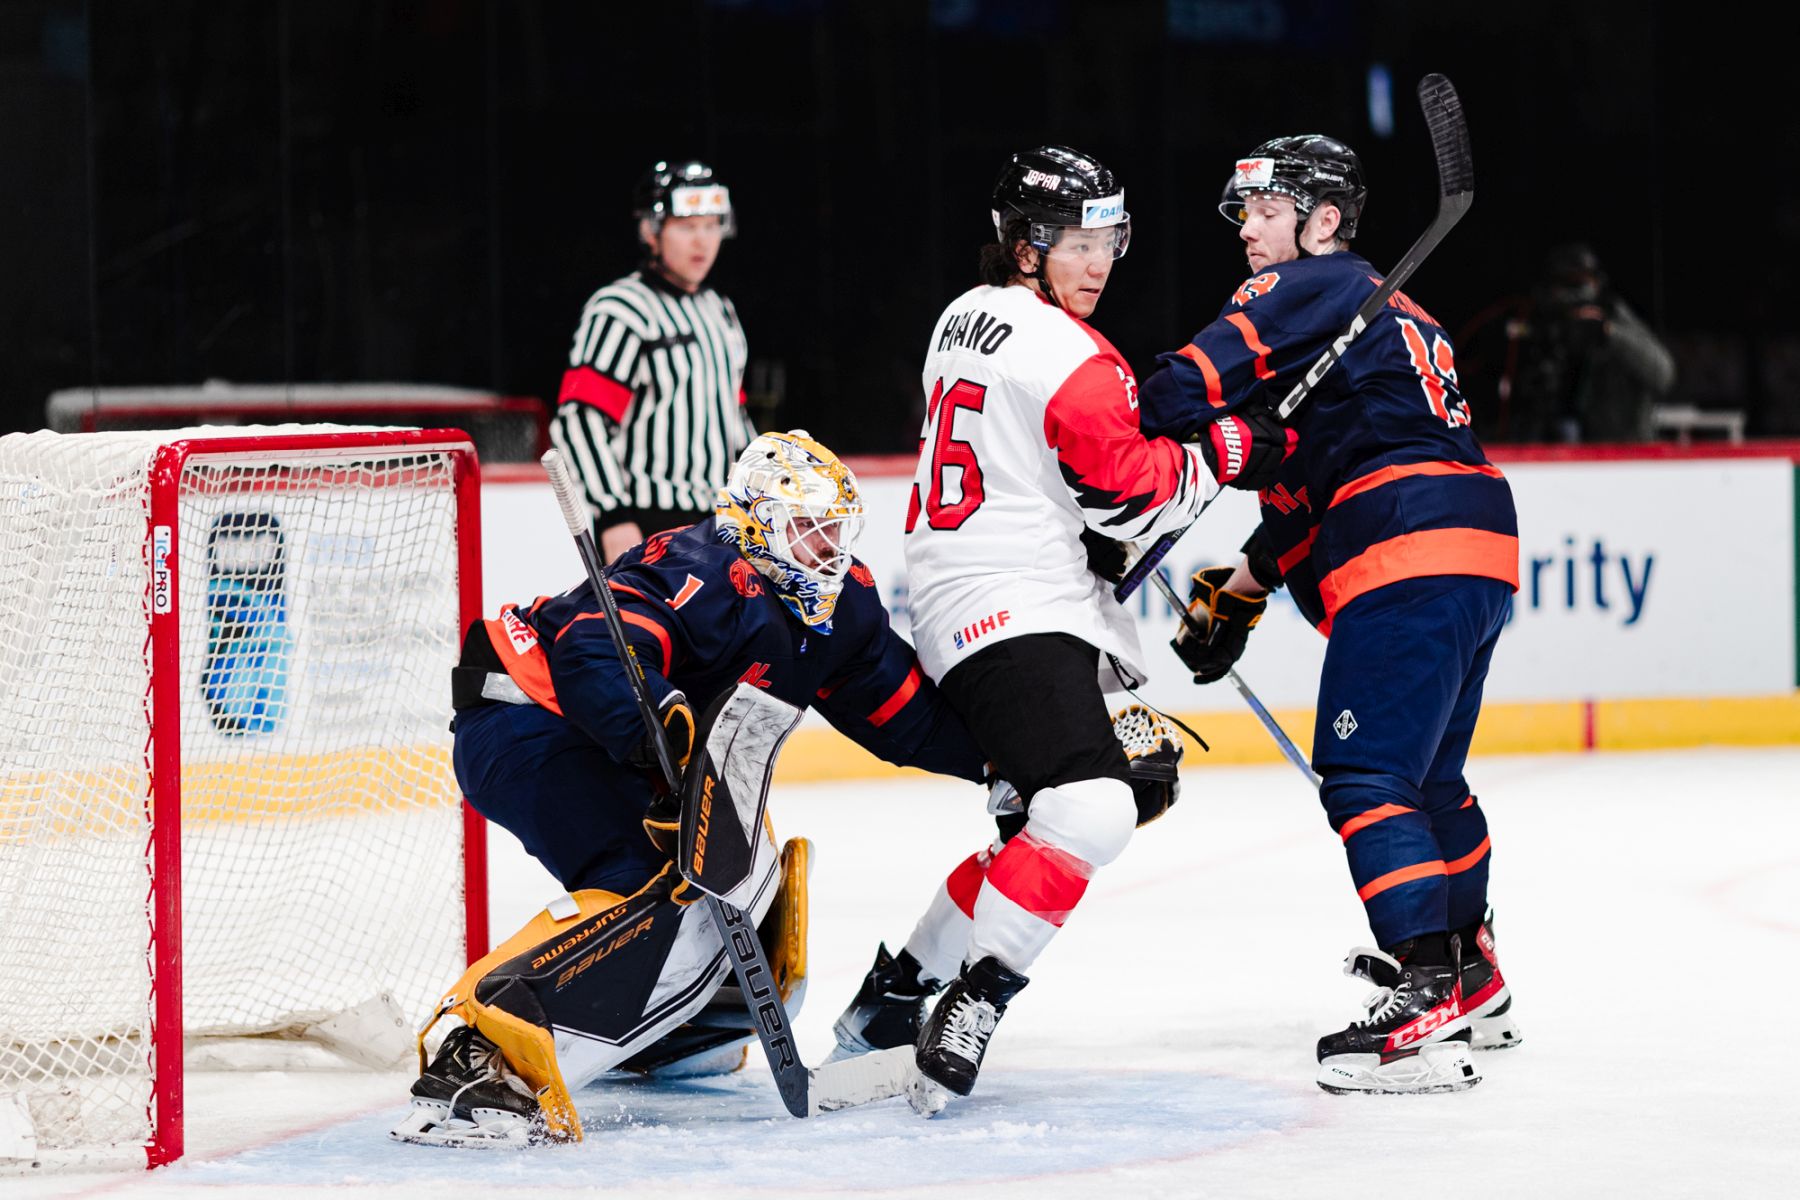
<point>1648,919</point>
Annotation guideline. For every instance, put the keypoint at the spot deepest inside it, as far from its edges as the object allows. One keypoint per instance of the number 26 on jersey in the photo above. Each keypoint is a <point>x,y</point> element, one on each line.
<point>949,451</point>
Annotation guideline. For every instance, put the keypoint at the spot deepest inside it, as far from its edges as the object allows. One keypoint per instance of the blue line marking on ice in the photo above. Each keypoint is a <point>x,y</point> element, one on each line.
<point>732,1131</point>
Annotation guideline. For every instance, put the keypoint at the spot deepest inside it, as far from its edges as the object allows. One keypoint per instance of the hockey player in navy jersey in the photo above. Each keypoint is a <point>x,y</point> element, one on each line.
<point>1397,539</point>
<point>550,745</point>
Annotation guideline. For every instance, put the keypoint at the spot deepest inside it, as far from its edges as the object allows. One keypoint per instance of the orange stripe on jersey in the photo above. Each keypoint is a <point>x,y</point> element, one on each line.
<point>1297,555</point>
<point>1215,391</point>
<point>1394,879</point>
<point>642,622</point>
<point>1469,803</point>
<point>523,659</point>
<point>1458,866</point>
<point>1387,475</point>
<point>897,701</point>
<point>1253,340</point>
<point>1362,821</point>
<point>1414,555</point>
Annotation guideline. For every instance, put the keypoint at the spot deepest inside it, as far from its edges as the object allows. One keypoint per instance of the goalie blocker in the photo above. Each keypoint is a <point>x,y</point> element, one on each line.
<point>598,981</point>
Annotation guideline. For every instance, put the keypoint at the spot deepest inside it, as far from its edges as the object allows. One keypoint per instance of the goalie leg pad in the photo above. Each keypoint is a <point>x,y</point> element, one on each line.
<point>715,1039</point>
<point>587,962</point>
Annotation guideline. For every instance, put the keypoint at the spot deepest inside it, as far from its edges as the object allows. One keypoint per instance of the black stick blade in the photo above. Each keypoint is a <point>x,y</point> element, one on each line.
<point>1449,135</point>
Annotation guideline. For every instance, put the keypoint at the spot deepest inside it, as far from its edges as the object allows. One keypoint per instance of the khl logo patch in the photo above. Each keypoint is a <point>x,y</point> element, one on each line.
<point>1345,724</point>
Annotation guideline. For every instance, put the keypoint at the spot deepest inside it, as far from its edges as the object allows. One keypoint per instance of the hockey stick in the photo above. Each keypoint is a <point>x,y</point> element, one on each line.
<point>1456,191</point>
<point>1286,744</point>
<point>843,1084</point>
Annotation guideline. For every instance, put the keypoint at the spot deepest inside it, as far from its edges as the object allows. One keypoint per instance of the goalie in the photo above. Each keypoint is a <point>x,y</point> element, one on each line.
<point>625,971</point>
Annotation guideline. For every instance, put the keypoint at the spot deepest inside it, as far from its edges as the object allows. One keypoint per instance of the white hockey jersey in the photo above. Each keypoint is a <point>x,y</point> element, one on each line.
<point>1031,432</point>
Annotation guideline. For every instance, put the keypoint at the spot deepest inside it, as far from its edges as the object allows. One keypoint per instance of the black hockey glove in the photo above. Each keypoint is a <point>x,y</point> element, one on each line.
<point>662,822</point>
<point>1228,619</point>
<point>1105,556</point>
<point>1246,449</point>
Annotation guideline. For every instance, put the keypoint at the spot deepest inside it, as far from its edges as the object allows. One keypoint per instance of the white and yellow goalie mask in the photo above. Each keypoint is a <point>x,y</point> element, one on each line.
<point>791,508</point>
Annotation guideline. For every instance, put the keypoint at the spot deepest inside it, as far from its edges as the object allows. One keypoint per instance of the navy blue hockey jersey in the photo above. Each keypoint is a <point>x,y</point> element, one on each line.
<point>1388,481</point>
<point>700,618</point>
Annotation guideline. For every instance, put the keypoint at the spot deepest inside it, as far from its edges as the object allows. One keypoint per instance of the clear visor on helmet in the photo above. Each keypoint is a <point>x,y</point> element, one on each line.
<point>1075,243</point>
<point>1234,206</point>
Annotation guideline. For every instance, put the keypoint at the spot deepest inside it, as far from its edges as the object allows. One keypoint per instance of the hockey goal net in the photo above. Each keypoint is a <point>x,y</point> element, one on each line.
<point>226,800</point>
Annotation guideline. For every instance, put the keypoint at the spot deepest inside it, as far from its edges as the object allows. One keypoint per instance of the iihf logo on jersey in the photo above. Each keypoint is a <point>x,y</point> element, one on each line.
<point>987,624</point>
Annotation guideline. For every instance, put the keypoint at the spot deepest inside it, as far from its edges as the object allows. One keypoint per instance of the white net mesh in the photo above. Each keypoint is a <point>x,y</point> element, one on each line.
<point>321,827</point>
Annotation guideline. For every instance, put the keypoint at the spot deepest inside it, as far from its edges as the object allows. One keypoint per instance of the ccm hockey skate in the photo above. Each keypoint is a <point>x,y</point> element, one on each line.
<point>469,1097</point>
<point>888,1009</point>
<point>1486,997</point>
<point>1415,1037</point>
<point>955,1039</point>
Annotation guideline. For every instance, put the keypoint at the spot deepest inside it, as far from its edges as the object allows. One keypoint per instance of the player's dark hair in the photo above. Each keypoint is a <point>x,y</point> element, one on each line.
<point>999,261</point>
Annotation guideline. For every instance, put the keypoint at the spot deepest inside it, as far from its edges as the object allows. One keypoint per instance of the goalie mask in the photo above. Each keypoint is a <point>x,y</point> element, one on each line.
<point>791,507</point>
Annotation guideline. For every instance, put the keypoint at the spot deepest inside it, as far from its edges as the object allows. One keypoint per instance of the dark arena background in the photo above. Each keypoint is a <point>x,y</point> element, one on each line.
<point>354,191</point>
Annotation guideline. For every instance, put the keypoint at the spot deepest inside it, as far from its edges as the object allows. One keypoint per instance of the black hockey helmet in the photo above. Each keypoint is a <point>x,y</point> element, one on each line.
<point>1308,167</point>
<point>1054,187</point>
<point>682,189</point>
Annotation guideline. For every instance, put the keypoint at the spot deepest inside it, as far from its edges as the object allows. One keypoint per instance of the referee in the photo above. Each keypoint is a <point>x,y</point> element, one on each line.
<point>651,410</point>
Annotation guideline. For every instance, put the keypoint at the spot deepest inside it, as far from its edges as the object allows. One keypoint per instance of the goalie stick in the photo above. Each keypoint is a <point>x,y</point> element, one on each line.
<point>843,1084</point>
<point>1456,191</point>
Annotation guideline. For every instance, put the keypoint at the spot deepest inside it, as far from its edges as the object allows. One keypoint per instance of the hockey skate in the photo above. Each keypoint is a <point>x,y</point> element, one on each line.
<point>955,1039</point>
<point>469,1097</point>
<point>1486,997</point>
<point>888,1009</point>
<point>1415,1038</point>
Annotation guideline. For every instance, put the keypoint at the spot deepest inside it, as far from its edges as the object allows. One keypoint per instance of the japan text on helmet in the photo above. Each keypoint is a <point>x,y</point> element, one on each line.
<point>1054,188</point>
<point>791,507</point>
<point>1309,168</point>
<point>683,189</point>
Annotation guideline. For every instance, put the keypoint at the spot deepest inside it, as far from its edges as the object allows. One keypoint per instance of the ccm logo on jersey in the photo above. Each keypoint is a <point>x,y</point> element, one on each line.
<point>988,624</point>
<point>1250,289</point>
<point>521,635</point>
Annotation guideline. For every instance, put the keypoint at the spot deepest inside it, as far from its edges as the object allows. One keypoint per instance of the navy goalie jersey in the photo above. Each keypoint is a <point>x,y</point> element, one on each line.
<point>700,618</point>
<point>1388,481</point>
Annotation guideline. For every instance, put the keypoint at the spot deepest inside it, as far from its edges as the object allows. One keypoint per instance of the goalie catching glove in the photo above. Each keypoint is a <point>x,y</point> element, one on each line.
<point>1226,617</point>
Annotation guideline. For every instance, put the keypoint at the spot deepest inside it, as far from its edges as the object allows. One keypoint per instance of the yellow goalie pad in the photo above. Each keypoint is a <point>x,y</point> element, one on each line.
<point>592,924</point>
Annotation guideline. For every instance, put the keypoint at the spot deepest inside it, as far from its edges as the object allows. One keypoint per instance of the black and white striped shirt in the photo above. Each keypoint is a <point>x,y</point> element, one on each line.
<point>651,408</point>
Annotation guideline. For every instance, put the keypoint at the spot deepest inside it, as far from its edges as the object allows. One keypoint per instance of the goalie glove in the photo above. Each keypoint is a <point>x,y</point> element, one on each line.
<point>662,820</point>
<point>1153,749</point>
<point>1227,618</point>
<point>1247,448</point>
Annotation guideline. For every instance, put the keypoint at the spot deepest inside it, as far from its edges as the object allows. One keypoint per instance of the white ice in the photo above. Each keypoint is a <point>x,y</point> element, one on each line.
<point>1648,922</point>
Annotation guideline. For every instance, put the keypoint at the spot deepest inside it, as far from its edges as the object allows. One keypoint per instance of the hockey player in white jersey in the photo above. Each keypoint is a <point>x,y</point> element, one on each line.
<point>1032,469</point>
